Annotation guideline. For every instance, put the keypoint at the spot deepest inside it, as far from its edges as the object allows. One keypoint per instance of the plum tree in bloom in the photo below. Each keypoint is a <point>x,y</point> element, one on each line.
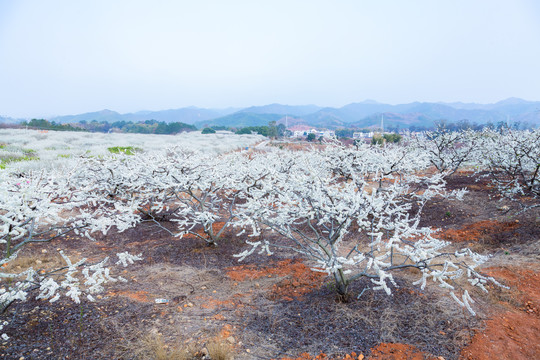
<point>512,160</point>
<point>192,189</point>
<point>377,163</point>
<point>446,150</point>
<point>205,187</point>
<point>353,228</point>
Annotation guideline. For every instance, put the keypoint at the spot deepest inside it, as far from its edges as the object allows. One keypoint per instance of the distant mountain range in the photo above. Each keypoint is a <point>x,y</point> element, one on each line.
<point>362,114</point>
<point>8,120</point>
<point>188,115</point>
<point>369,114</point>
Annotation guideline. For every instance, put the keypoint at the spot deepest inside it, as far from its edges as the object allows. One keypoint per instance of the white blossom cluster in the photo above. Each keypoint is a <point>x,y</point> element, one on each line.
<point>447,150</point>
<point>55,148</point>
<point>512,161</point>
<point>191,189</point>
<point>36,207</point>
<point>73,281</point>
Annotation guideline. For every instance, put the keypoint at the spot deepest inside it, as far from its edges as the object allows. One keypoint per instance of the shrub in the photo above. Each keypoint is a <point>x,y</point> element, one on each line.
<point>127,150</point>
<point>208,131</point>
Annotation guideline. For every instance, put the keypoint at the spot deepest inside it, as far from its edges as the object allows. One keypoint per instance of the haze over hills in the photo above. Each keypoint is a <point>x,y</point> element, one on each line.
<point>8,120</point>
<point>188,115</point>
<point>368,113</point>
<point>299,110</point>
<point>361,114</point>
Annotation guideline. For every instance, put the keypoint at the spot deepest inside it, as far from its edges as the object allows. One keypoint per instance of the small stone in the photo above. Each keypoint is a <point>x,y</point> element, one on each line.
<point>248,351</point>
<point>44,251</point>
<point>203,288</point>
<point>39,262</point>
<point>231,340</point>
<point>189,304</point>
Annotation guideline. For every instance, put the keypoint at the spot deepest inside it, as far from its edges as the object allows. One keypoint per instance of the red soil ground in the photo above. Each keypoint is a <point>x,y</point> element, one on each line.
<point>299,278</point>
<point>384,351</point>
<point>478,231</point>
<point>514,331</point>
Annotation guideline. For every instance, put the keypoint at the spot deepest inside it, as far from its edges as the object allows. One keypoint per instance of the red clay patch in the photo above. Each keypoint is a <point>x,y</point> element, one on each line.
<point>478,231</point>
<point>513,334</point>
<point>383,351</point>
<point>209,303</point>
<point>212,303</point>
<point>390,351</point>
<point>300,278</point>
<point>321,356</point>
<point>226,331</point>
<point>140,296</point>
<point>526,281</point>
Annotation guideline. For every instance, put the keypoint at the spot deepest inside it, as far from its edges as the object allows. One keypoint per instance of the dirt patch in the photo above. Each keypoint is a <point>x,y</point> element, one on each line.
<point>140,296</point>
<point>299,278</point>
<point>513,333</point>
<point>317,323</point>
<point>286,267</point>
<point>525,281</point>
<point>392,351</point>
<point>510,335</point>
<point>42,330</point>
<point>383,351</point>
<point>322,356</point>
<point>486,231</point>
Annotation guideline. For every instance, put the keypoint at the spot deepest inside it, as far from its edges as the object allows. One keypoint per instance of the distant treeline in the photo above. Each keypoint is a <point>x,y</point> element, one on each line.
<point>271,130</point>
<point>441,124</point>
<point>46,125</point>
<point>143,127</point>
<point>468,125</point>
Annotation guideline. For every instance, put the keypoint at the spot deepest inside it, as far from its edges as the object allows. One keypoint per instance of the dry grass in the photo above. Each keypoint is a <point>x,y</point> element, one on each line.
<point>152,347</point>
<point>219,350</point>
<point>39,261</point>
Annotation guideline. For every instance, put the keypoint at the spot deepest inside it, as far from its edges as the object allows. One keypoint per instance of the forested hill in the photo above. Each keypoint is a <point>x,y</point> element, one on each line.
<point>361,114</point>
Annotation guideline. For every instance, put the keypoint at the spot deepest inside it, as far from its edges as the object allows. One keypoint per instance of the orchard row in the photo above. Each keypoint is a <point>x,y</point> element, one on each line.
<point>353,212</point>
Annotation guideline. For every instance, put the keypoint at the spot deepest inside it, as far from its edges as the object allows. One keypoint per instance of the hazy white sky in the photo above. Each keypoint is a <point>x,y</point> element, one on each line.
<point>63,57</point>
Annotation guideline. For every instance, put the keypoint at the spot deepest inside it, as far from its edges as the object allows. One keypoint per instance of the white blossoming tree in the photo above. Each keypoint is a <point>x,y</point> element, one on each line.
<point>42,206</point>
<point>512,161</point>
<point>197,191</point>
<point>353,227</point>
<point>447,150</point>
